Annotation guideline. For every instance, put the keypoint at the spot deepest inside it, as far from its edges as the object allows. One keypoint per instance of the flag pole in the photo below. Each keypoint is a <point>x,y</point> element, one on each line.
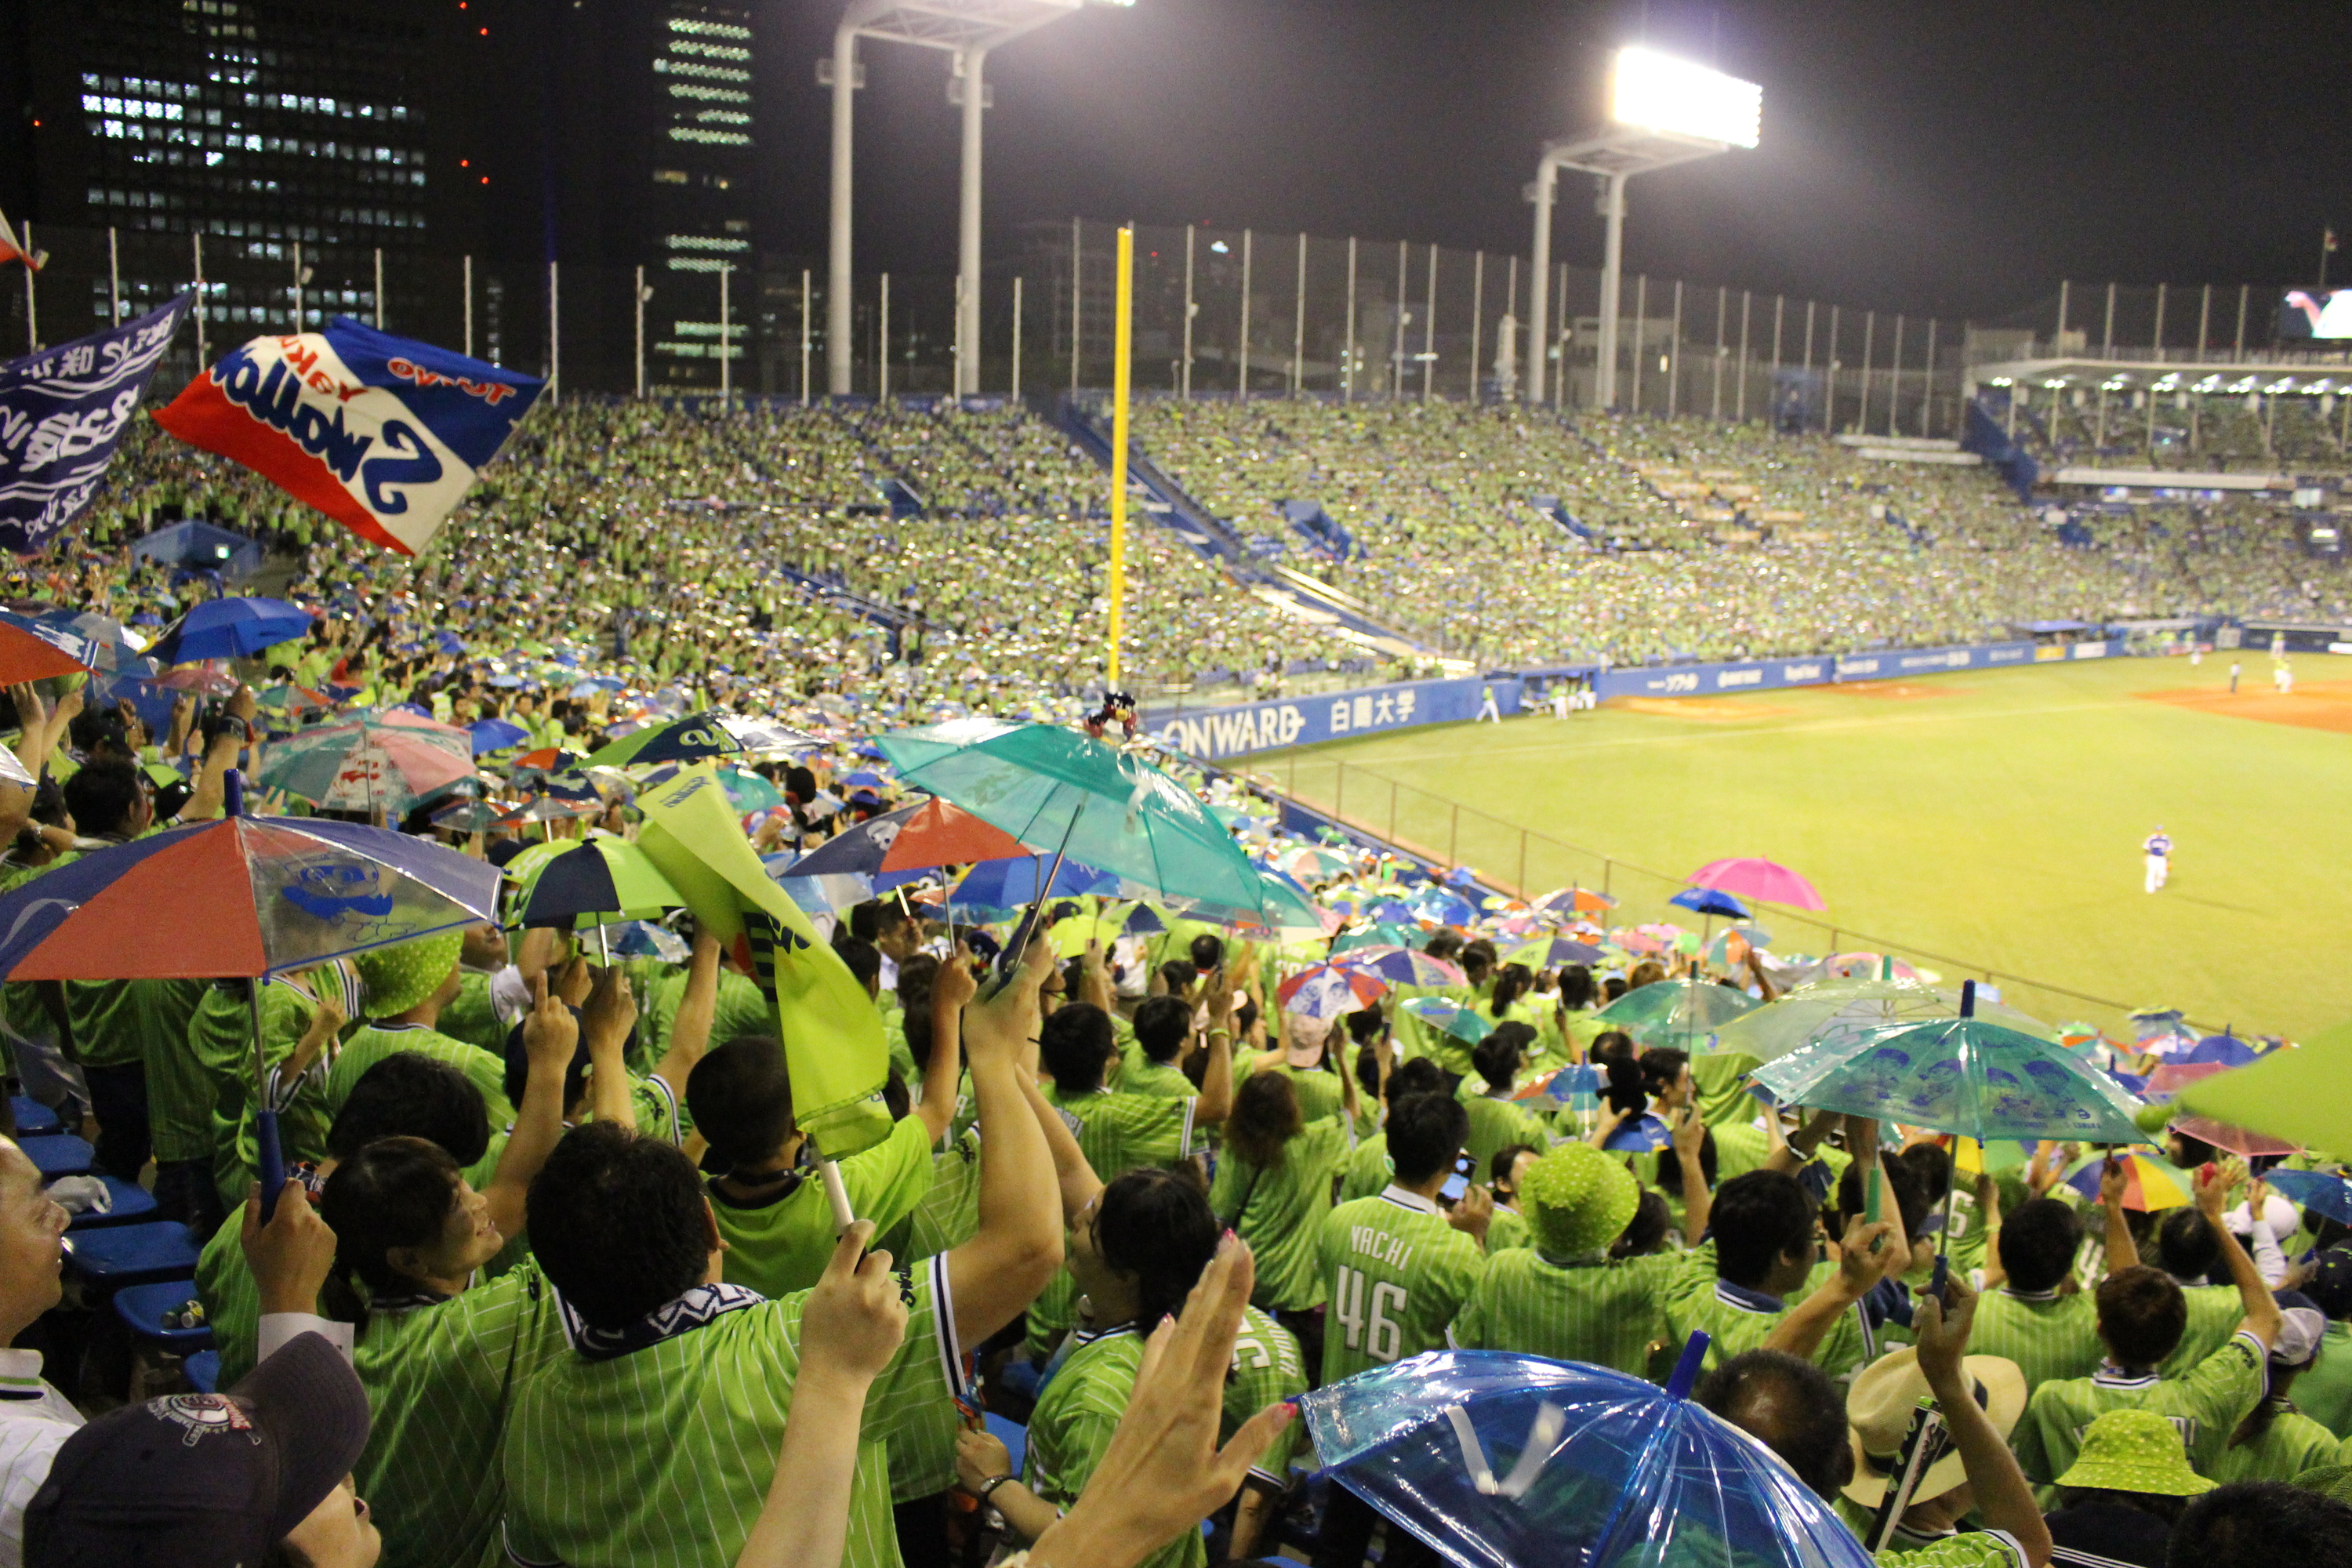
<point>1122,357</point>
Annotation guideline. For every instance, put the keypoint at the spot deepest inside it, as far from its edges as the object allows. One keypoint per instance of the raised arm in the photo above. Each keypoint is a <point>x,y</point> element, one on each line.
<point>689,1029</point>
<point>997,1273</point>
<point>1094,978</point>
<point>210,785</point>
<point>1699,1202</point>
<point>549,1036</point>
<point>2262,1318</point>
<point>2004,1499</point>
<point>2123,1252</point>
<point>1794,1152</point>
<point>952,988</point>
<point>608,1016</point>
<point>1864,1258</point>
<point>1216,1101</point>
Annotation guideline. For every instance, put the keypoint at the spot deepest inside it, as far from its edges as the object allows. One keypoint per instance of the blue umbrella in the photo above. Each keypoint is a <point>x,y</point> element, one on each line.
<point>495,735</point>
<point>1645,1134</point>
<point>1444,909</point>
<point>1710,901</point>
<point>447,642</point>
<point>2227,1049</point>
<point>1499,1460</point>
<point>865,778</point>
<point>1008,885</point>
<point>2317,1190</point>
<point>231,629</point>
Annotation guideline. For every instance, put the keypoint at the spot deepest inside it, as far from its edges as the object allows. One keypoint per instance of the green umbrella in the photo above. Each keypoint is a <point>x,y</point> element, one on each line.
<point>1057,790</point>
<point>1666,1014</point>
<point>597,882</point>
<point>749,791</point>
<point>2303,1095</point>
<point>1385,935</point>
<point>1832,1010</point>
<point>1448,1018</point>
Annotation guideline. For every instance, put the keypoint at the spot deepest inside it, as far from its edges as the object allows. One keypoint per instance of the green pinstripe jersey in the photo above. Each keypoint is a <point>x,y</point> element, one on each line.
<point>180,1090</point>
<point>1122,1132</point>
<point>1508,1231</point>
<point>2049,1336</point>
<point>1497,1124</point>
<point>1138,1074</point>
<point>1720,1079</point>
<point>1739,1147</point>
<point>2324,1392</point>
<point>441,1376</point>
<point>2214,1313</point>
<point>1320,1093</point>
<point>1077,1411</point>
<point>1279,1209</point>
<point>2292,1444</point>
<point>220,1035</point>
<point>1267,1367</point>
<point>1597,1309</point>
<point>781,1244</point>
<point>1368,1171</point>
<point>472,1017</point>
<point>373,1042</point>
<point>2206,1406</point>
<point>1395,1274</point>
<point>1738,1320</point>
<point>948,1215</point>
<point>231,1298</point>
<point>661,1456</point>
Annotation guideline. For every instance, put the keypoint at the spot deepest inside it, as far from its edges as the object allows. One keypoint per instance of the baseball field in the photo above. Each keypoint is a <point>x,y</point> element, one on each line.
<point>1977,824</point>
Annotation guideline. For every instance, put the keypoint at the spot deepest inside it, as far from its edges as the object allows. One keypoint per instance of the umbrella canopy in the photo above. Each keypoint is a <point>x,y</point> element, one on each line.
<point>1327,991</point>
<point>2321,1192</point>
<point>1552,953</point>
<point>494,735</point>
<point>604,879</point>
<point>1958,1075</point>
<point>1764,880</point>
<point>680,741</point>
<point>466,815</point>
<point>1401,966</point>
<point>1570,902</point>
<point>2303,1096</point>
<point>1710,901</point>
<point>1311,862</point>
<point>1439,907</point>
<point>2223,1050</point>
<point>1380,933</point>
<point>230,628</point>
<point>292,700</point>
<point>116,653</point>
<point>1448,1018</point>
<point>1003,886</point>
<point>1049,787</point>
<point>765,735</point>
<point>239,896</point>
<point>2149,1183</point>
<point>1667,1014</point>
<point>748,792</point>
<point>912,839</point>
<point>1838,1010</point>
<point>385,761</point>
<point>1499,1460</point>
<point>36,650</point>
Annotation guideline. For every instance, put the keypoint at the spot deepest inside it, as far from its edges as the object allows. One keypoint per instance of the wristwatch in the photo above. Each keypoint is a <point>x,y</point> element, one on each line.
<point>989,1490</point>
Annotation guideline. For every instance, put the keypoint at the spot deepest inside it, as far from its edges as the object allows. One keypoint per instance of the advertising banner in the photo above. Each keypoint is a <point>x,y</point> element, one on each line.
<point>1209,732</point>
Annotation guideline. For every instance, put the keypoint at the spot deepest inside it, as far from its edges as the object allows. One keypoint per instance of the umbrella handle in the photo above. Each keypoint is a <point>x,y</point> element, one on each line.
<point>1686,1370</point>
<point>837,1193</point>
<point>270,1162</point>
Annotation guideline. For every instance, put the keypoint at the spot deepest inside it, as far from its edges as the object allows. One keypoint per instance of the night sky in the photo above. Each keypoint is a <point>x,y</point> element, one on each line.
<point>1940,157</point>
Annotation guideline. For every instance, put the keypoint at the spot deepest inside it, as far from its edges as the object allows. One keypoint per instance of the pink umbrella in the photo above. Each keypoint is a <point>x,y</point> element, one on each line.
<point>1752,878</point>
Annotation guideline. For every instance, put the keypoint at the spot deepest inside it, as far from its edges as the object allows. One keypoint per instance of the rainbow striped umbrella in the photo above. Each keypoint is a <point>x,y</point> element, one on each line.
<point>2149,1183</point>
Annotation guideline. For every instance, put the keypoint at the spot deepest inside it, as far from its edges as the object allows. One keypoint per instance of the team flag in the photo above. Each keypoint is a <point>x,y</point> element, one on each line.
<point>834,1046</point>
<point>383,433</point>
<point>61,416</point>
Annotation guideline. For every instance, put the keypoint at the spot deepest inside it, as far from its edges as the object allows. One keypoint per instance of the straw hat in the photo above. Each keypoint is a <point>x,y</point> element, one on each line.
<point>1878,1415</point>
<point>2135,1451</point>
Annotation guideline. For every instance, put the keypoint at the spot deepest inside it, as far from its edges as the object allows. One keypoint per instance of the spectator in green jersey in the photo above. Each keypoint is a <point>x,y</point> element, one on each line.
<point>2032,1312</point>
<point>1274,1187</point>
<point>2124,1491</point>
<point>2277,1442</point>
<point>1762,1252</point>
<point>1120,1131</point>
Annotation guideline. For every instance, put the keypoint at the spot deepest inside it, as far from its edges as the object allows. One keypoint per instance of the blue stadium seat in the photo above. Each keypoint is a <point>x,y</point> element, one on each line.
<point>203,1369</point>
<point>132,1205</point>
<point>1011,1434</point>
<point>141,1310</point>
<point>62,1154</point>
<point>34,1120</point>
<point>114,1256</point>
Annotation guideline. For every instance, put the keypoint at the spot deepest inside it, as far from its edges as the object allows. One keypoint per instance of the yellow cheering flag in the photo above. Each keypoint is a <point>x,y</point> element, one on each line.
<point>833,1046</point>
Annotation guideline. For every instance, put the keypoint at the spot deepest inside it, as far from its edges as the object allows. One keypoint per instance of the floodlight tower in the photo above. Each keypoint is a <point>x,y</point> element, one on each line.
<point>1662,111</point>
<point>967,30</point>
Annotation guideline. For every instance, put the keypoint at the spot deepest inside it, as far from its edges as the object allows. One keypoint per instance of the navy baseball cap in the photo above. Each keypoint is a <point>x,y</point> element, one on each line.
<point>204,1480</point>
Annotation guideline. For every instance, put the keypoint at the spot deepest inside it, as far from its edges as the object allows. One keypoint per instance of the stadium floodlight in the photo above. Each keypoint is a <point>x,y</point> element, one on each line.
<point>1663,111</point>
<point>967,30</point>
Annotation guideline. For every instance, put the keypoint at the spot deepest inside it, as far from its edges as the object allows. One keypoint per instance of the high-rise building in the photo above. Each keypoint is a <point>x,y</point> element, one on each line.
<point>699,208</point>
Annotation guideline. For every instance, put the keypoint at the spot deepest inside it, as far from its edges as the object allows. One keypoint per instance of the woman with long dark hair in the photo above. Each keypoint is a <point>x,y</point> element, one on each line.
<point>1274,1188</point>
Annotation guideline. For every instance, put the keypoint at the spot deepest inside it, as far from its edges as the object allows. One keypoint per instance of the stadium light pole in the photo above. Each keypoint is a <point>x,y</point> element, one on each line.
<point>967,30</point>
<point>1662,111</point>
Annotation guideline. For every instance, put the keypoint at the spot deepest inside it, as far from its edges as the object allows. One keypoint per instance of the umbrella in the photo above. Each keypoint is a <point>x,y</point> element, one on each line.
<point>1401,966</point>
<point>1380,933</point>
<point>821,894</point>
<point>763,735</point>
<point>603,879</point>
<point>2166,1082</point>
<point>1006,885</point>
<point>749,791</point>
<point>1566,901</point>
<point>1449,1017</point>
<point>255,895</point>
<point>1552,953</point>
<point>546,808</point>
<point>380,761</point>
<point>1667,1014</point>
<point>1710,901</point>
<point>36,650</point>
<point>1839,1010</point>
<point>912,839</point>
<point>230,628</point>
<point>1960,1075</point>
<point>1499,1459</point>
<point>2322,1191</point>
<point>116,653</point>
<point>1106,926</point>
<point>1644,1135</point>
<point>680,741</point>
<point>1105,807</point>
<point>1440,908</point>
<point>546,760</point>
<point>1760,879</point>
<point>495,735</point>
<point>1311,861</point>
<point>2149,1183</point>
<point>292,700</point>
<point>464,816</point>
<point>2301,1095</point>
<point>2223,1050</point>
<point>1327,990</point>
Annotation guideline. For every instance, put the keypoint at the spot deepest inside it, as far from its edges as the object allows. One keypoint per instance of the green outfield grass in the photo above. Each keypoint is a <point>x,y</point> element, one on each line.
<point>1994,817</point>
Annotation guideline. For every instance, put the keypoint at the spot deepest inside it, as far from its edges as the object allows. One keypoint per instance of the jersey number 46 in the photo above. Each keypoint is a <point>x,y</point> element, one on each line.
<point>1381,1336</point>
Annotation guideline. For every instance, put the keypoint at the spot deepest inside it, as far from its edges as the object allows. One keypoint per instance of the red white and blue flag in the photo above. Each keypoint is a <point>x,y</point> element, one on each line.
<point>383,433</point>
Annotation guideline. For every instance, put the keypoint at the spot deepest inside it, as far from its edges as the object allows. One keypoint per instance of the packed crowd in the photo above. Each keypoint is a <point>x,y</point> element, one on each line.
<point>556,1278</point>
<point>2200,431</point>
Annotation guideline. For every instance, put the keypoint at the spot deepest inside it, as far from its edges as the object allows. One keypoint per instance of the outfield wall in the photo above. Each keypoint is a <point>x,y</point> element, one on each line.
<point>1244,727</point>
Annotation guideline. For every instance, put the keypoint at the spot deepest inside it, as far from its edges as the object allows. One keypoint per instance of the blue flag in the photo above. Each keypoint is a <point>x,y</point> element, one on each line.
<point>61,414</point>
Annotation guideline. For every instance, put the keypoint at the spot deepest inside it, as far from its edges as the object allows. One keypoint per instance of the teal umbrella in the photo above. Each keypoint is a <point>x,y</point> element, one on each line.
<point>748,792</point>
<point>1962,1075</point>
<point>1666,1014</point>
<point>1059,791</point>
<point>1380,934</point>
<point>1835,1010</point>
<point>1450,1018</point>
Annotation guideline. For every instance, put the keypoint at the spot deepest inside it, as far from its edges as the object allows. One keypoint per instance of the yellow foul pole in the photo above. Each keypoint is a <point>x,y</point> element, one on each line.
<point>1122,359</point>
